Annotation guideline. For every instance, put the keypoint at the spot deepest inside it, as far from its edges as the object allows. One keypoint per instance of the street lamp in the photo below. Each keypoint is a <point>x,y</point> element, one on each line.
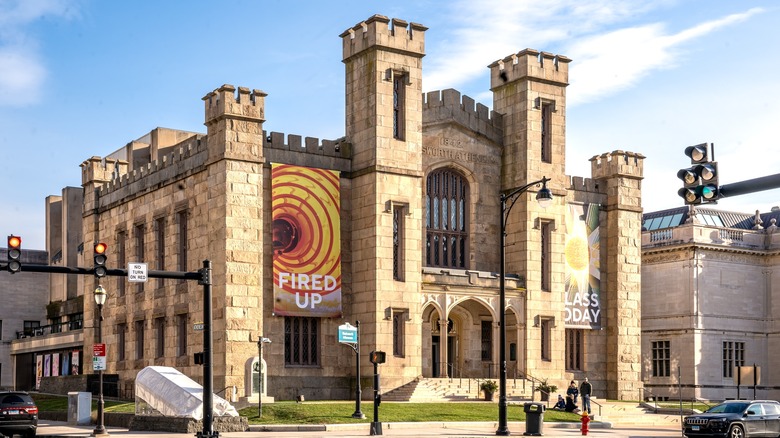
<point>544,198</point>
<point>260,341</point>
<point>100,300</point>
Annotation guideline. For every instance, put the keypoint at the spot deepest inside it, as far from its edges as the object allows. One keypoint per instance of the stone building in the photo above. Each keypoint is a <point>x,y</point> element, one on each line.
<point>708,303</point>
<point>401,216</point>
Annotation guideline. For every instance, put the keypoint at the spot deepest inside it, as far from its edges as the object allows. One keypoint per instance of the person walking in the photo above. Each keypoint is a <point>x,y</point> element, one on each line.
<point>585,391</point>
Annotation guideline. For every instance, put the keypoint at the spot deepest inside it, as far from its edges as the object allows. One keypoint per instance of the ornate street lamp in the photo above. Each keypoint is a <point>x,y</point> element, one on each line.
<point>100,300</point>
<point>544,198</point>
<point>260,341</point>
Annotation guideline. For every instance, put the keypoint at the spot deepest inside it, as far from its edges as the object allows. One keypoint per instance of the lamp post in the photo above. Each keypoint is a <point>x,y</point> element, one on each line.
<point>100,300</point>
<point>544,197</point>
<point>260,341</point>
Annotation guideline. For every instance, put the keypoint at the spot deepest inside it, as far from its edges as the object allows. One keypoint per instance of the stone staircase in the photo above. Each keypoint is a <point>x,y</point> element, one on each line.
<point>631,413</point>
<point>453,389</point>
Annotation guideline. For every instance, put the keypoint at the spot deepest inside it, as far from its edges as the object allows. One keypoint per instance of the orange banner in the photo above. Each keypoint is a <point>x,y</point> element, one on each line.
<point>306,240</point>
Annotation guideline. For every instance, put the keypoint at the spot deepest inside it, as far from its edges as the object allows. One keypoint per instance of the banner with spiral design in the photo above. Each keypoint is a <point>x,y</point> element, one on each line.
<point>306,231</point>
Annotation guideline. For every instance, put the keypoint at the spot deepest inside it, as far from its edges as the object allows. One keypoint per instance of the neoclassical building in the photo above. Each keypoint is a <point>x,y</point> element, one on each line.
<point>396,225</point>
<point>708,303</point>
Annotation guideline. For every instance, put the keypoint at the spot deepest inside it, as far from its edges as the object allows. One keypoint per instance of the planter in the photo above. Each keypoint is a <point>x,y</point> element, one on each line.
<point>488,395</point>
<point>544,396</point>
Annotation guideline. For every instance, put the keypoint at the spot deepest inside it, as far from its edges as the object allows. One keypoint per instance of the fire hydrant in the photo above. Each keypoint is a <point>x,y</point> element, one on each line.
<point>585,420</point>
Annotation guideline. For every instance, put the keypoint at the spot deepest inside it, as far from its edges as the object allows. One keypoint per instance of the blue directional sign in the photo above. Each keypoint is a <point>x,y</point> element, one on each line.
<point>348,334</point>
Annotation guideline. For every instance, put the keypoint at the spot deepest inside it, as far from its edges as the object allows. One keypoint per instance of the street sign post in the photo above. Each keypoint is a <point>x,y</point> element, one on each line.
<point>348,334</point>
<point>99,357</point>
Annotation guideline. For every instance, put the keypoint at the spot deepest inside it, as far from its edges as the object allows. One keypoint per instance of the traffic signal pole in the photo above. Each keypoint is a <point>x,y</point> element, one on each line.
<point>751,186</point>
<point>202,276</point>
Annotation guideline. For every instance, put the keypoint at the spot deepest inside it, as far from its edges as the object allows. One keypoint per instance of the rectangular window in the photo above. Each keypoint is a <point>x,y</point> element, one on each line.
<point>546,245</point>
<point>301,341</point>
<point>159,328</point>
<point>31,328</point>
<point>139,252</point>
<point>662,362</point>
<point>159,225</point>
<point>574,343</point>
<point>121,249</point>
<point>398,242</point>
<point>139,339</point>
<point>547,110</point>
<point>733,356</point>
<point>181,223</point>
<point>121,330</point>
<point>181,335</point>
<point>399,332</point>
<point>399,106</point>
<point>487,341</point>
<point>545,326</point>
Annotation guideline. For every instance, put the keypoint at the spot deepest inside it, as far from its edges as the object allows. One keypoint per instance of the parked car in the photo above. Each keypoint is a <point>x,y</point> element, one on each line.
<point>736,419</point>
<point>18,414</point>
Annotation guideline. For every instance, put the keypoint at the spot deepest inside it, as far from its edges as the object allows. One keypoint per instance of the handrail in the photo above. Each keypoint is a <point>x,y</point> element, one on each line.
<point>597,404</point>
<point>644,392</point>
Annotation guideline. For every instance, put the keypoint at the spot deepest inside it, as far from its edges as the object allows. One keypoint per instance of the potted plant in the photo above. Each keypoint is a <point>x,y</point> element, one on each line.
<point>545,389</point>
<point>489,387</point>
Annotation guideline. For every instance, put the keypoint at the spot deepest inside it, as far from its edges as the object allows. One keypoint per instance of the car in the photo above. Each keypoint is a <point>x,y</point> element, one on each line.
<point>18,414</point>
<point>736,419</point>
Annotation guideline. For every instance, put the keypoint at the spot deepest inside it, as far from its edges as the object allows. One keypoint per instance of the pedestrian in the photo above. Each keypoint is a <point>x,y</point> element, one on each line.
<point>585,390</point>
<point>561,405</point>
<point>573,392</point>
<point>570,406</point>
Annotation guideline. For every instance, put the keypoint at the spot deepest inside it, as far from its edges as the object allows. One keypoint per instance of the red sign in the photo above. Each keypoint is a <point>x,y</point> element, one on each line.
<point>99,350</point>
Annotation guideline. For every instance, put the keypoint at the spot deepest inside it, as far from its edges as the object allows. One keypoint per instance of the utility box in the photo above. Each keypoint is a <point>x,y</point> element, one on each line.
<point>79,408</point>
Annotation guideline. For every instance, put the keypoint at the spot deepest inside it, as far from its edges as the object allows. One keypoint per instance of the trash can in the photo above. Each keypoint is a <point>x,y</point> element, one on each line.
<point>534,418</point>
<point>79,408</point>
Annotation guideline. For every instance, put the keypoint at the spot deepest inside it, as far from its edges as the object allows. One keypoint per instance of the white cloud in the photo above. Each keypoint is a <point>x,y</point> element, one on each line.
<point>630,54</point>
<point>22,71</point>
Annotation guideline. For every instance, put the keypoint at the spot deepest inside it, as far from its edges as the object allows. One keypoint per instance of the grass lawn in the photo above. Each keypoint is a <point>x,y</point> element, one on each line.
<point>337,412</point>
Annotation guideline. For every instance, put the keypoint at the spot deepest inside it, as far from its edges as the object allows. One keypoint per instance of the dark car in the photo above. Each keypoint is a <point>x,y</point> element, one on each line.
<point>18,414</point>
<point>736,419</point>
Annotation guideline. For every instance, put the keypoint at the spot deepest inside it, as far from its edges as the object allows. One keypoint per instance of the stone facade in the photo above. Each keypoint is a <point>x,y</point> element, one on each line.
<point>708,295</point>
<point>419,177</point>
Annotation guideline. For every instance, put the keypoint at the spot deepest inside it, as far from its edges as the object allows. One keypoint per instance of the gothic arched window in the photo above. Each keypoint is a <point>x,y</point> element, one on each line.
<point>446,237</point>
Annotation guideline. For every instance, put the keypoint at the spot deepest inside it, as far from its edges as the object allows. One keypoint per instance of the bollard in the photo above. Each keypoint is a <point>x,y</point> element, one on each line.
<point>585,420</point>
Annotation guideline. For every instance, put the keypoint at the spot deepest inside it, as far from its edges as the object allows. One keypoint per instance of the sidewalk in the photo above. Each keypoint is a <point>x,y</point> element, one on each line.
<point>56,429</point>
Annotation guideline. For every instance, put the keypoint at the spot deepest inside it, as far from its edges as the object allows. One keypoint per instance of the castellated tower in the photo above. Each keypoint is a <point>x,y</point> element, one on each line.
<point>620,175</point>
<point>234,118</point>
<point>383,62</point>
<point>529,90</point>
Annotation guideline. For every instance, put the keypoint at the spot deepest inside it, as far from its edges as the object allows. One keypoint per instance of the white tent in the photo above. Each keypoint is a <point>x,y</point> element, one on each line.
<point>170,393</point>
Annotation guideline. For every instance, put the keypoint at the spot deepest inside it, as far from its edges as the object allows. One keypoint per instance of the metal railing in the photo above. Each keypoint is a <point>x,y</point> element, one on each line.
<point>45,330</point>
<point>647,397</point>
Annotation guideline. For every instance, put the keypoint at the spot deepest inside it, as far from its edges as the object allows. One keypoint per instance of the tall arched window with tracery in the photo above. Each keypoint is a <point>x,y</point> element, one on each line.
<point>446,219</point>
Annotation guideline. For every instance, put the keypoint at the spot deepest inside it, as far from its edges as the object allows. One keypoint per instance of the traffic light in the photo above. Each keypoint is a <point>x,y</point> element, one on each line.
<point>377,357</point>
<point>14,254</point>
<point>100,259</point>
<point>700,181</point>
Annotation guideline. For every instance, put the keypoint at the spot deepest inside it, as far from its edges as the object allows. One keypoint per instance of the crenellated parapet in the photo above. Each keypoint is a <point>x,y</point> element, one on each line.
<point>617,163</point>
<point>530,64</point>
<point>98,170</point>
<point>581,184</point>
<point>185,158</point>
<point>307,151</point>
<point>240,103</point>
<point>408,38</point>
<point>449,105</point>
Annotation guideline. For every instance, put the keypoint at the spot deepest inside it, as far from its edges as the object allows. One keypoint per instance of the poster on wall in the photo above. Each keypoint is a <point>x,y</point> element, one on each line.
<point>38,371</point>
<point>66,363</point>
<point>47,365</point>
<point>74,363</point>
<point>55,364</point>
<point>306,231</point>
<point>583,269</point>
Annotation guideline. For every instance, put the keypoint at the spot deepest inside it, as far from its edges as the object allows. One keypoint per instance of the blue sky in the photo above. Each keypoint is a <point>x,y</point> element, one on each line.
<point>80,78</point>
